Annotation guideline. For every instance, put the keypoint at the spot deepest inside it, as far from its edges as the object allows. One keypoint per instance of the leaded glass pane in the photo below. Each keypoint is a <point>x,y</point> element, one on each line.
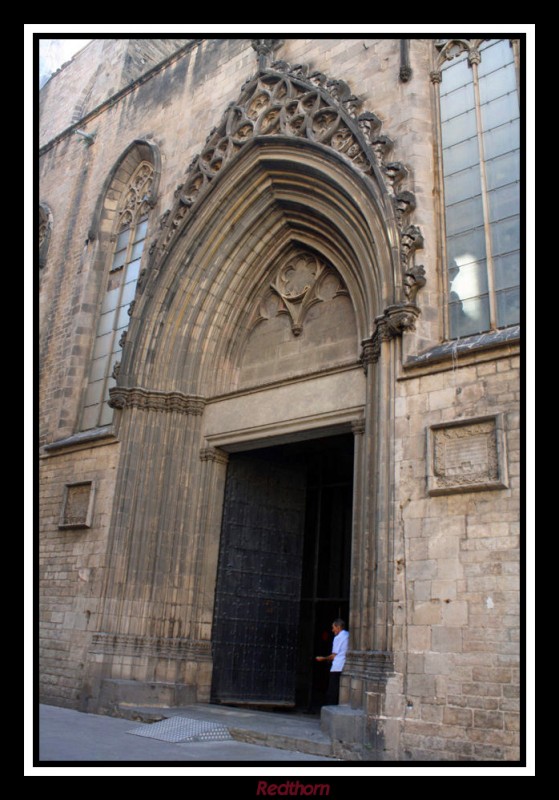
<point>504,202</point>
<point>501,81</point>
<point>141,230</point>
<point>122,240</point>
<point>503,109</point>
<point>465,215</point>
<point>508,307</point>
<point>132,271</point>
<point>462,185</point>
<point>110,301</point>
<point>119,259</point>
<point>466,248</point>
<point>94,393</point>
<point>457,102</point>
<point>106,414</point>
<point>123,319</point>
<point>461,155</point>
<point>128,293</point>
<point>507,271</point>
<point>469,316</point>
<point>505,235</point>
<point>503,170</point>
<point>90,416</point>
<point>468,281</point>
<point>98,369</point>
<point>137,250</point>
<point>494,54</point>
<point>103,345</point>
<point>455,73</point>
<point>106,323</point>
<point>501,140</point>
<point>459,128</point>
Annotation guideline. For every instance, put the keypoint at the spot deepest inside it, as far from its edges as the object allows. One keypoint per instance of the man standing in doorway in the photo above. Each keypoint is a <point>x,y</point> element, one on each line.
<point>337,657</point>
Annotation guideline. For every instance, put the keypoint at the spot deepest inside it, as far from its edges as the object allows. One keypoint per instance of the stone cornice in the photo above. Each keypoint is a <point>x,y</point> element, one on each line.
<point>122,397</point>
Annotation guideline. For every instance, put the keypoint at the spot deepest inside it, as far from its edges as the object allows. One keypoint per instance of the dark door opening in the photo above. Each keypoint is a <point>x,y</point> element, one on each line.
<point>283,572</point>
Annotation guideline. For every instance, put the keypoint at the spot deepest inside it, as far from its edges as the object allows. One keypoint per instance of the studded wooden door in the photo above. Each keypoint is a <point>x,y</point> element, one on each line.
<point>256,618</point>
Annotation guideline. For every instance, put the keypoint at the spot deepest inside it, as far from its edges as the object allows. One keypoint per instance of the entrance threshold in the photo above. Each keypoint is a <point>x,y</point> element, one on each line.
<point>294,732</point>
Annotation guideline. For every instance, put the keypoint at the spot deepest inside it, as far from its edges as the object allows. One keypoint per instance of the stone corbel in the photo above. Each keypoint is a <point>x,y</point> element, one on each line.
<point>395,320</point>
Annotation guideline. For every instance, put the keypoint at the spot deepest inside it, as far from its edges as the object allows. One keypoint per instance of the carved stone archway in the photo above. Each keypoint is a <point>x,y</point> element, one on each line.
<point>292,167</point>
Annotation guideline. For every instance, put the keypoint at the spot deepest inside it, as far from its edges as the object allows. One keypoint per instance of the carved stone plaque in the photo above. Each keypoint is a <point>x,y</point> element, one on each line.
<point>77,507</point>
<point>466,456</point>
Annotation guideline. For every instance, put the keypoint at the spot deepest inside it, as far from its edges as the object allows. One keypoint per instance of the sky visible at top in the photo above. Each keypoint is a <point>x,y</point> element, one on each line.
<point>55,52</point>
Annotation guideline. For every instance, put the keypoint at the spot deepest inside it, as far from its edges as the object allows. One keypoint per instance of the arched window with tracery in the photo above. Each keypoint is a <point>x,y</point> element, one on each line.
<point>127,241</point>
<point>480,147</point>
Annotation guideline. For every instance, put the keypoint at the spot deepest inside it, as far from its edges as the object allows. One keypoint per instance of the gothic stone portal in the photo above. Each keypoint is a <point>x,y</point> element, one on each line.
<point>283,572</point>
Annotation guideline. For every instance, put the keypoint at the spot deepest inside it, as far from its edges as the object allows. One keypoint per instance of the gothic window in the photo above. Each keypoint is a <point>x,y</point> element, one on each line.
<point>480,137</point>
<point>119,289</point>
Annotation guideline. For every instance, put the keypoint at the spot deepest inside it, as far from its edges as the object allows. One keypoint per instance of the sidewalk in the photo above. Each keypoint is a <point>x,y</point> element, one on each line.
<point>67,735</point>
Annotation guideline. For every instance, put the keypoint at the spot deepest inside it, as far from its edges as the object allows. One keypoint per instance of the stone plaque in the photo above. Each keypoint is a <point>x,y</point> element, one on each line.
<point>77,507</point>
<point>466,456</point>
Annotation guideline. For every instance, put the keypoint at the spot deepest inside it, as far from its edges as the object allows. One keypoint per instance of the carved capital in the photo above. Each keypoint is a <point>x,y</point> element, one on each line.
<point>370,351</point>
<point>358,427</point>
<point>395,320</point>
<point>214,454</point>
<point>436,76</point>
<point>147,399</point>
<point>474,57</point>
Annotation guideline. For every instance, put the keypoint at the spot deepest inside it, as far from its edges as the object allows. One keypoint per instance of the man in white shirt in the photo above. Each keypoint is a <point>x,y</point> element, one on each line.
<point>337,657</point>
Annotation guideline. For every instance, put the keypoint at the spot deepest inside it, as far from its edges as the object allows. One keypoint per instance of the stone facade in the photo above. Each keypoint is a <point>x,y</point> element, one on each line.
<point>291,287</point>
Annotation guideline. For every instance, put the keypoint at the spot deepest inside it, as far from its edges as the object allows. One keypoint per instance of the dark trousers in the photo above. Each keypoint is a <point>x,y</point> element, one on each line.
<point>333,693</point>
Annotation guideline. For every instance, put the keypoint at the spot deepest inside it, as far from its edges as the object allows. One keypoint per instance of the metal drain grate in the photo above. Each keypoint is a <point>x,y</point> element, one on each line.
<point>183,729</point>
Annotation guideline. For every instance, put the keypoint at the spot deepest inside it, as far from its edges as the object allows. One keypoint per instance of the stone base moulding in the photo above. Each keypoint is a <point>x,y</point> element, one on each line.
<point>467,456</point>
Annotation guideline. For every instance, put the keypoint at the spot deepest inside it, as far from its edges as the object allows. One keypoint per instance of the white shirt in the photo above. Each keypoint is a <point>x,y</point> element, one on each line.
<point>339,648</point>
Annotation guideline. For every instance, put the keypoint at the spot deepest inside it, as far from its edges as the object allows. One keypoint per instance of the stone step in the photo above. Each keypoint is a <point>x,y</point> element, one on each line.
<point>293,732</point>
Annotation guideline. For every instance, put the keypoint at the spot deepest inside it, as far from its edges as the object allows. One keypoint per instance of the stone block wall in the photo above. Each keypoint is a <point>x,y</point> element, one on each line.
<point>71,568</point>
<point>458,642</point>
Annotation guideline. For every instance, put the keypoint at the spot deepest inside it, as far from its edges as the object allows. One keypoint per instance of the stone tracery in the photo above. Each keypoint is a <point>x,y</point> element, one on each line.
<point>290,101</point>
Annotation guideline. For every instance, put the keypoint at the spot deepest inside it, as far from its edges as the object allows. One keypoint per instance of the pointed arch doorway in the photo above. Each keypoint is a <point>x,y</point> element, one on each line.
<point>283,572</point>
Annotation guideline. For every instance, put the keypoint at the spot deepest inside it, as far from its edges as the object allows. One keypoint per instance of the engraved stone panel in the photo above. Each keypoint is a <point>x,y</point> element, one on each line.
<point>77,507</point>
<point>466,456</point>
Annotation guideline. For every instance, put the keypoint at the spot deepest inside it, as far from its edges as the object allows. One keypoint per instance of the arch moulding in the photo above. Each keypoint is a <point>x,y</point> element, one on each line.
<point>293,167</point>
